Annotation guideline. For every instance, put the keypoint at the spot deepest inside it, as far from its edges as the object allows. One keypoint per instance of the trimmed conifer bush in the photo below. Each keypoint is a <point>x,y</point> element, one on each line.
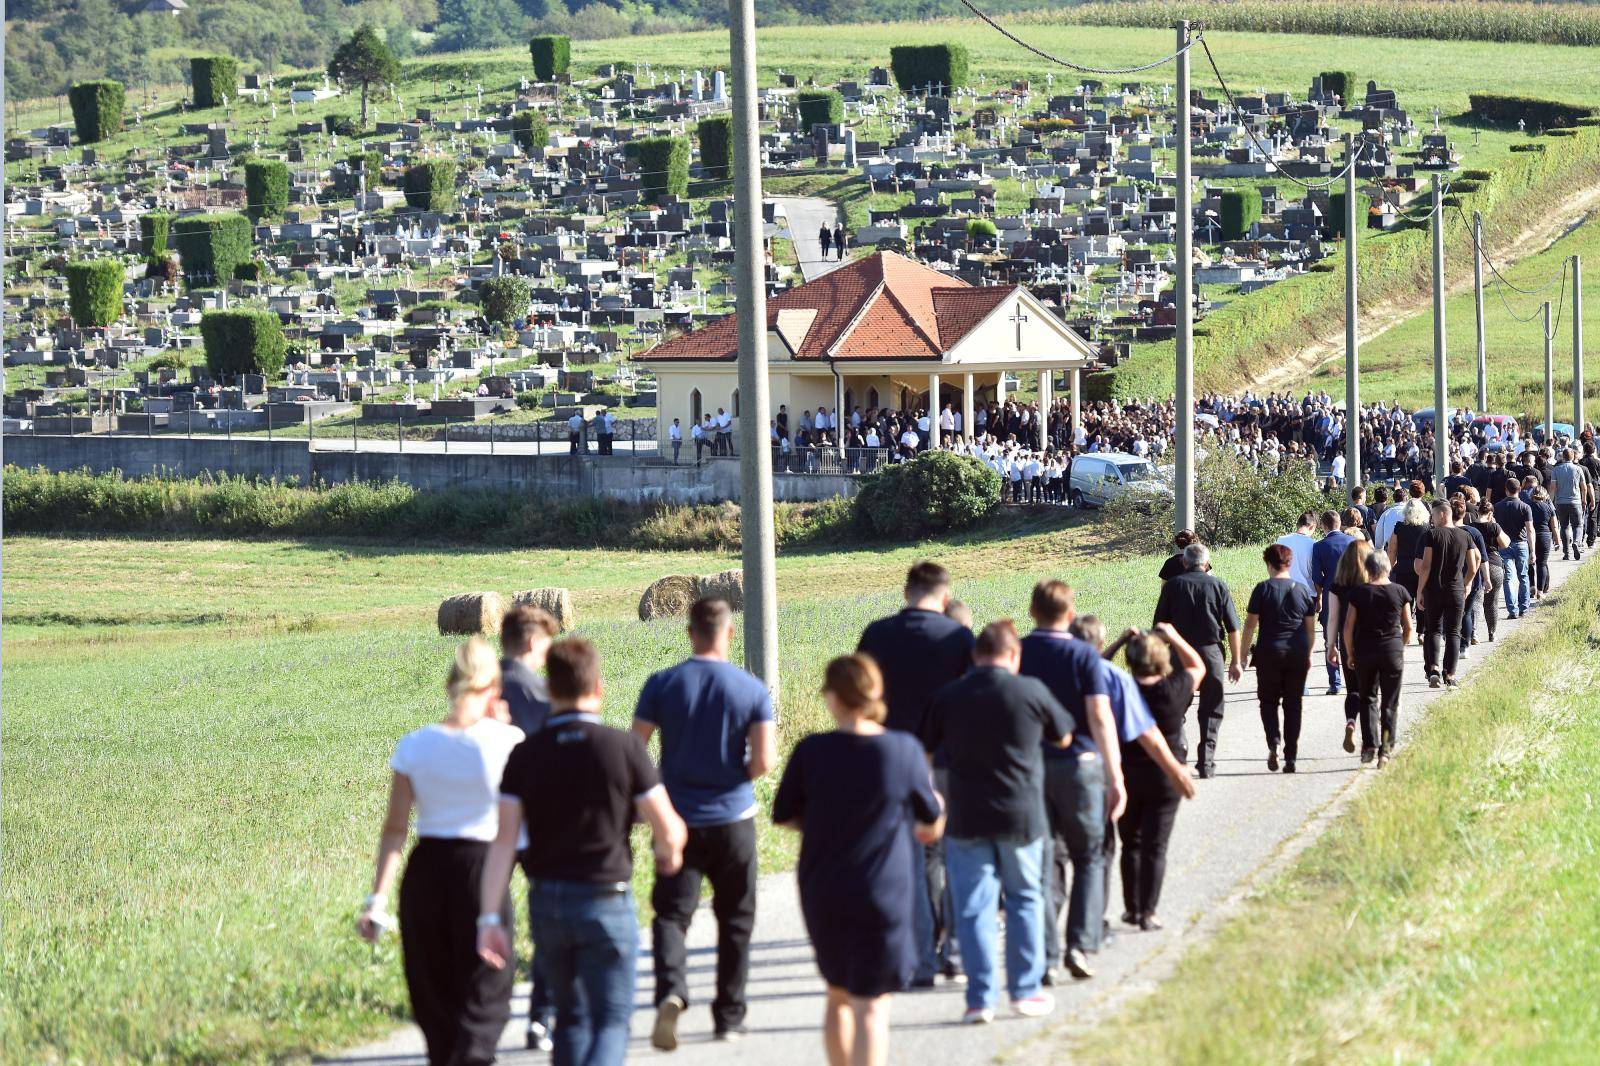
<point>341,125</point>
<point>504,299</point>
<point>213,77</point>
<point>1240,208</point>
<point>266,189</point>
<point>918,66</point>
<point>431,185</point>
<point>97,109</point>
<point>1342,83</point>
<point>350,180</point>
<point>530,130</point>
<point>243,342</point>
<point>153,229</point>
<point>716,147</point>
<point>663,164</point>
<point>819,107</point>
<point>211,246</point>
<point>1537,114</point>
<point>94,291</point>
<point>552,55</point>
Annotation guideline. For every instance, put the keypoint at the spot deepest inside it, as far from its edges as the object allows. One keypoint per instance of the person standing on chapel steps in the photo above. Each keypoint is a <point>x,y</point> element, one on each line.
<point>851,793</point>
<point>919,650</point>
<point>717,736</point>
<point>579,785</point>
<point>1200,607</point>
<point>450,772</point>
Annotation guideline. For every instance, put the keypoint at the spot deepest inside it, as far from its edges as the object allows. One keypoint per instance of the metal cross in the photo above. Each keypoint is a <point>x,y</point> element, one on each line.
<point>1019,318</point>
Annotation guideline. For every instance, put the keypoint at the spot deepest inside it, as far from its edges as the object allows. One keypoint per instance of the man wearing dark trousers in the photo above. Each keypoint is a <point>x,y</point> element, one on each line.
<point>1325,556</point>
<point>717,736</point>
<point>1199,606</point>
<point>1445,571</point>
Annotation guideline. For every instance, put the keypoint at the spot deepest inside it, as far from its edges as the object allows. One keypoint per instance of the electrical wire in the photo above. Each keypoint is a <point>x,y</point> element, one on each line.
<point>1558,278</point>
<point>1069,64</point>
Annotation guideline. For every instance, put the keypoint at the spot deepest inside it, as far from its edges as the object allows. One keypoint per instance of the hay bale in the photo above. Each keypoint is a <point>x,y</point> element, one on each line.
<point>728,585</point>
<point>557,603</point>
<point>670,597</point>
<point>472,612</point>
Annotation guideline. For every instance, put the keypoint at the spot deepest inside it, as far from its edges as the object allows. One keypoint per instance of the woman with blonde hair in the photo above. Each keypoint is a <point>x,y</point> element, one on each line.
<point>853,794</point>
<point>450,772</point>
<point>1405,543</point>
<point>1350,574</point>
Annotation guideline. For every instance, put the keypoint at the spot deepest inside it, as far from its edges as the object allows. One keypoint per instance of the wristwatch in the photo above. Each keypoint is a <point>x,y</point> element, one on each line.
<point>488,921</point>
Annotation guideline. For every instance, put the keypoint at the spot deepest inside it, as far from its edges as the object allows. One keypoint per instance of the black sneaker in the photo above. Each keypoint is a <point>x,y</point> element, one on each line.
<point>1434,680</point>
<point>1078,964</point>
<point>1272,759</point>
<point>539,1037</point>
<point>1206,773</point>
<point>1288,766</point>
<point>731,1033</point>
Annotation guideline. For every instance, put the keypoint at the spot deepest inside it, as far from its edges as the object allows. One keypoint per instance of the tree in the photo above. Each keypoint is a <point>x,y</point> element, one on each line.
<point>478,23</point>
<point>94,291</point>
<point>504,299</point>
<point>365,60</point>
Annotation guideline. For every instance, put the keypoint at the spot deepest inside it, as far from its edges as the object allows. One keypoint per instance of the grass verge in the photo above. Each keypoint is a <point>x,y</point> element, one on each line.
<point>1448,917</point>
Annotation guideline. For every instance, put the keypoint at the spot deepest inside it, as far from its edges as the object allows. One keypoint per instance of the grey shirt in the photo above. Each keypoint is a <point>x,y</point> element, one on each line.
<point>1569,479</point>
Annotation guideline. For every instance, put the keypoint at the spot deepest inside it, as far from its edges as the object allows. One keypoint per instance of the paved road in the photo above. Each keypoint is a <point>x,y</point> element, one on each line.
<point>1244,824</point>
<point>806,216</point>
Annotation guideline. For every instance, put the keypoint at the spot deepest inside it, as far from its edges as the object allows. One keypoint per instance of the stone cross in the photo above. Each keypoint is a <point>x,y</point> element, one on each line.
<point>1436,118</point>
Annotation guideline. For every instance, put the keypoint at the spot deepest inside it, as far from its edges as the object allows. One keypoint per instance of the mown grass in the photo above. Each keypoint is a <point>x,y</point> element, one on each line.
<point>1447,917</point>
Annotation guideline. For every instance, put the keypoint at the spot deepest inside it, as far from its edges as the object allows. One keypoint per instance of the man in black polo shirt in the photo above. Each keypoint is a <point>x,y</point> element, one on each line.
<point>1199,606</point>
<point>1515,518</point>
<point>1445,571</point>
<point>579,786</point>
<point>919,650</point>
<point>1591,466</point>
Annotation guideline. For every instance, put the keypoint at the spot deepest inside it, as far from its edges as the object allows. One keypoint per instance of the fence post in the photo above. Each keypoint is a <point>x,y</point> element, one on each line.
<point>491,436</point>
<point>447,435</point>
<point>269,423</point>
<point>399,430</point>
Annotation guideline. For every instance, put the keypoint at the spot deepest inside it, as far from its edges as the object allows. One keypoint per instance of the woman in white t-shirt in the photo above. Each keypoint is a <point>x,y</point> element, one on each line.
<point>450,772</point>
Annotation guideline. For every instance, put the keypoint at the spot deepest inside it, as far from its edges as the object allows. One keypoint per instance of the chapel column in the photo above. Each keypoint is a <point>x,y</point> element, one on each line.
<point>933,411</point>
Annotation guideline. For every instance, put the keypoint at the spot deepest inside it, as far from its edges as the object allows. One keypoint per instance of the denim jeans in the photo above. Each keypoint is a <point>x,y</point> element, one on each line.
<point>1075,804</point>
<point>922,914</point>
<point>979,869</point>
<point>1515,555</point>
<point>588,938</point>
<point>1469,617</point>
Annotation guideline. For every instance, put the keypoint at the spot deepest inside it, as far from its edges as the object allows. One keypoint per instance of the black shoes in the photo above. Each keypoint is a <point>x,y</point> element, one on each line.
<point>1368,754</point>
<point>1272,759</point>
<point>539,1037</point>
<point>1434,680</point>
<point>1350,737</point>
<point>1078,964</point>
<point>1288,766</point>
<point>1205,773</point>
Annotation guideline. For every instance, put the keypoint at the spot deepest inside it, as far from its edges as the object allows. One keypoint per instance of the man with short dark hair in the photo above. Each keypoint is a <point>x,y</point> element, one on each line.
<point>1199,606</point>
<point>1325,556</point>
<point>717,736</point>
<point>1515,518</point>
<point>1445,571</point>
<point>1573,494</point>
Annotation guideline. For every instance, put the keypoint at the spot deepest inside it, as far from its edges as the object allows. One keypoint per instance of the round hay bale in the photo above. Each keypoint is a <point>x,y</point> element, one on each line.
<point>557,603</point>
<point>472,612</point>
<point>728,585</point>
<point>670,597</point>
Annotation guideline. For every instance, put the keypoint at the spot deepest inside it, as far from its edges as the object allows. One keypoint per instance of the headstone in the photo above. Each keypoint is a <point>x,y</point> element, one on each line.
<point>699,86</point>
<point>819,143</point>
<point>849,147</point>
<point>719,87</point>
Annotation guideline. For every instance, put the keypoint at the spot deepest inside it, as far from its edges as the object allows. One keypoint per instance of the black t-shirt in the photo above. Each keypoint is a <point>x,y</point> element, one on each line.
<point>1543,512</point>
<point>1167,699</point>
<point>1489,530</point>
<point>1380,630</point>
<point>1281,604</point>
<point>578,781</point>
<point>1514,516</point>
<point>1172,567</point>
<point>991,723</point>
<point>1454,483</point>
<point>1199,607</point>
<point>1451,547</point>
<point>918,651</point>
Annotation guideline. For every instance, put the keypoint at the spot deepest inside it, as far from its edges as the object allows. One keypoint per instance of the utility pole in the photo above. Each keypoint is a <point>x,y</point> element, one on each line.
<point>1183,377</point>
<point>1477,304</point>
<point>1549,379</point>
<point>1352,353</point>
<point>1441,432</point>
<point>755,469</point>
<point>1577,348</point>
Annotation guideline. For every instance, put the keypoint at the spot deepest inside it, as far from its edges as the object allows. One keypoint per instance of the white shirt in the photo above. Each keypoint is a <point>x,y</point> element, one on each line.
<point>575,423</point>
<point>455,776</point>
<point>947,421</point>
<point>922,423</point>
<point>674,432</point>
<point>1299,566</point>
<point>909,438</point>
<point>1338,467</point>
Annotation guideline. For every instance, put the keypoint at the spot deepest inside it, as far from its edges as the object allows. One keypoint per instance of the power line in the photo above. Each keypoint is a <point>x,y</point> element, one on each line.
<point>1069,64</point>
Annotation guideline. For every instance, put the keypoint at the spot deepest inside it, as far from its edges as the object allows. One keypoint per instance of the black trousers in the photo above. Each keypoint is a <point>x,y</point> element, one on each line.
<point>1209,716</point>
<point>461,1004</point>
<point>1281,681</point>
<point>1380,677</point>
<point>1491,598</point>
<point>1541,561</point>
<point>725,855</point>
<point>1442,619</point>
<point>1145,828</point>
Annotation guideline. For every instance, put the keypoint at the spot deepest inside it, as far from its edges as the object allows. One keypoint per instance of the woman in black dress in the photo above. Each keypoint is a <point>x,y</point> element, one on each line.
<point>861,798</point>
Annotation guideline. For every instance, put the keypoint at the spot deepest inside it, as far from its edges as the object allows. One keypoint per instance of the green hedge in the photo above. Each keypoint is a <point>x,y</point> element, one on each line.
<point>153,228</point>
<point>341,125</point>
<point>1239,210</point>
<point>663,164</point>
<point>1538,114</point>
<point>243,342</point>
<point>504,299</point>
<point>213,77</point>
<point>819,107</point>
<point>716,147</point>
<point>531,132</point>
<point>97,109</point>
<point>351,179</point>
<point>431,185</point>
<point>552,55</point>
<point>266,189</point>
<point>254,270</point>
<point>211,246</point>
<point>94,291</point>
<point>936,492</point>
<point>1343,83</point>
<point>918,66</point>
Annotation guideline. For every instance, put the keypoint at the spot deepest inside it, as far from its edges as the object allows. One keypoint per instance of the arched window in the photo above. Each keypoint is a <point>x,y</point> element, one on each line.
<point>872,398</point>
<point>905,398</point>
<point>694,407</point>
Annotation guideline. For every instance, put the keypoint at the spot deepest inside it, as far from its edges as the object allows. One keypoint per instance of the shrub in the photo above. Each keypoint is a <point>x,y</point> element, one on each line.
<point>243,342</point>
<point>663,164</point>
<point>716,147</point>
<point>431,185</point>
<point>819,107</point>
<point>163,267</point>
<point>266,189</point>
<point>213,77</point>
<point>1235,503</point>
<point>94,291</point>
<point>1343,83</point>
<point>933,493</point>
<point>254,270</point>
<point>918,66</point>
<point>1537,114</point>
<point>341,125</point>
<point>504,299</point>
<point>351,179</point>
<point>530,130</point>
<point>153,229</point>
<point>552,55</point>
<point>1239,210</point>
<point>96,109</point>
<point>981,229</point>
<point>1333,222</point>
<point>211,246</point>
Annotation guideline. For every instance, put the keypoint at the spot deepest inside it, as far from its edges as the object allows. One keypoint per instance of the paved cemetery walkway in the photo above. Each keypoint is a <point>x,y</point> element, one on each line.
<point>1244,823</point>
<point>806,215</point>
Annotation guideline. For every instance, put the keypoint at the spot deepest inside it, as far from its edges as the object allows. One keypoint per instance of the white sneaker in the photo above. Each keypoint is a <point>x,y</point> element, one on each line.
<point>1035,1006</point>
<point>977,1016</point>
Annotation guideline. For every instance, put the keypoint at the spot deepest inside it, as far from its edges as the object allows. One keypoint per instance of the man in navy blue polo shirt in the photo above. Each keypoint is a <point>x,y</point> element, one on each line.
<point>1083,782</point>
<point>717,736</point>
<point>1325,556</point>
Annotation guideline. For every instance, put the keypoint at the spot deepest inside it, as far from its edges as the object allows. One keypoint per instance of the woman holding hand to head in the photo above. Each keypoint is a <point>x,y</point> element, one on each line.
<point>450,772</point>
<point>853,794</point>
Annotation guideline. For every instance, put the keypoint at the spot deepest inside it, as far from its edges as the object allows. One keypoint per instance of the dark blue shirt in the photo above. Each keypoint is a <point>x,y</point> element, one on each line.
<point>1325,555</point>
<point>918,652</point>
<point>524,695</point>
<point>1072,670</point>
<point>703,710</point>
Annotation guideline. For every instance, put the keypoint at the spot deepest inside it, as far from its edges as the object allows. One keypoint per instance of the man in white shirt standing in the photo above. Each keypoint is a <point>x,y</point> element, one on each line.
<point>1300,542</point>
<point>947,423</point>
<point>575,433</point>
<point>675,438</point>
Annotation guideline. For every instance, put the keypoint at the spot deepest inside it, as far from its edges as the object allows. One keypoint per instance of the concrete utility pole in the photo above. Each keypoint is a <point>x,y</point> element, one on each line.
<point>755,472</point>
<point>1477,304</point>
<point>1577,347</point>
<point>1183,377</point>
<point>1352,354</point>
<point>1441,396</point>
<point>1549,378</point>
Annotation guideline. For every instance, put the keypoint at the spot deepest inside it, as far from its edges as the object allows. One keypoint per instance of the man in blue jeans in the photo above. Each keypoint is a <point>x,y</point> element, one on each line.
<point>1325,556</point>
<point>579,786</point>
<point>992,723</point>
<point>1516,520</point>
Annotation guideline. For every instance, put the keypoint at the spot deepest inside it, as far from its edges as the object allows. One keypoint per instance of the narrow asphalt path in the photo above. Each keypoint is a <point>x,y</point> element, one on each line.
<point>807,215</point>
<point>1244,824</point>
